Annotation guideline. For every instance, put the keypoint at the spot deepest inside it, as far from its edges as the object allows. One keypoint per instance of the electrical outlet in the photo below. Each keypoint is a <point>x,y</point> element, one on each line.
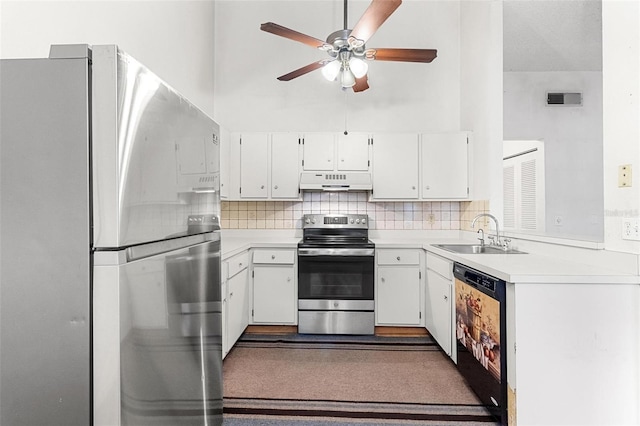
<point>631,229</point>
<point>431,218</point>
<point>624,176</point>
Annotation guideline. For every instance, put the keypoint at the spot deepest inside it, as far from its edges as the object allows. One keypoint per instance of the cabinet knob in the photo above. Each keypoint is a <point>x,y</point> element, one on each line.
<point>427,187</point>
<point>413,187</point>
<point>240,264</point>
<point>288,279</point>
<point>382,279</point>
<point>231,294</point>
<point>398,258</point>
<point>446,298</point>
<point>273,256</point>
<point>261,186</point>
<point>275,187</point>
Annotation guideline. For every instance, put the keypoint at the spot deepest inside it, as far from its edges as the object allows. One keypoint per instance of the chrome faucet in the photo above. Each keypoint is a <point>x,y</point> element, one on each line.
<point>473,224</point>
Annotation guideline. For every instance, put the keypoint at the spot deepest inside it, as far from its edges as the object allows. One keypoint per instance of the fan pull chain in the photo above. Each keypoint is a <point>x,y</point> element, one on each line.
<point>345,112</point>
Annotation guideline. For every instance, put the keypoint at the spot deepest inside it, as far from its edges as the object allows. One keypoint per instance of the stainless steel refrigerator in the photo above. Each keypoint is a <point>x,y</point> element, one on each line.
<point>110,300</point>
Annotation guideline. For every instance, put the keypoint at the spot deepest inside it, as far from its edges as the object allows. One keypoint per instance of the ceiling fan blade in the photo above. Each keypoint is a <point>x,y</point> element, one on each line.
<point>281,31</point>
<point>361,84</point>
<point>375,15</point>
<point>402,55</point>
<point>304,70</point>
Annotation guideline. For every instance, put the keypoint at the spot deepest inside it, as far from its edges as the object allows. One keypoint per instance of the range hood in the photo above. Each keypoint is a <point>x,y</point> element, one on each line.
<point>335,181</point>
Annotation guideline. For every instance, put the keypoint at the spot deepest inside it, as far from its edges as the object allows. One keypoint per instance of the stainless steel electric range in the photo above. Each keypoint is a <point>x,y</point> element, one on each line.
<point>335,275</point>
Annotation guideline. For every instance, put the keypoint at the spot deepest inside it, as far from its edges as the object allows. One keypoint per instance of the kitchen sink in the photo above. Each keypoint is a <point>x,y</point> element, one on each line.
<point>476,249</point>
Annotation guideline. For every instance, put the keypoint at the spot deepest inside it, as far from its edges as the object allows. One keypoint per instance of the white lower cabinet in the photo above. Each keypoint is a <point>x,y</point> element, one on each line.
<point>235,300</point>
<point>275,292</point>
<point>439,318</point>
<point>399,289</point>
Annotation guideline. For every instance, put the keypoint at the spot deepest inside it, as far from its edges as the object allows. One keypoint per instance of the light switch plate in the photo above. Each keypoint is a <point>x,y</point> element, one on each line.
<point>624,176</point>
<point>631,229</point>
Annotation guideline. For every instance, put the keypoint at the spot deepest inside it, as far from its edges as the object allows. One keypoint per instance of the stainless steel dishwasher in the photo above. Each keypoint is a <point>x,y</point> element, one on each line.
<point>481,336</point>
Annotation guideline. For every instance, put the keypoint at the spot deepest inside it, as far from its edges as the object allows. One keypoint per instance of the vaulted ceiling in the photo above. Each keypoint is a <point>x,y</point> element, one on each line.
<point>552,35</point>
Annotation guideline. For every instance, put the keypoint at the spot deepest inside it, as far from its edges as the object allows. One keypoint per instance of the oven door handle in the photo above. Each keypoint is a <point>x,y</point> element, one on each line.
<point>335,252</point>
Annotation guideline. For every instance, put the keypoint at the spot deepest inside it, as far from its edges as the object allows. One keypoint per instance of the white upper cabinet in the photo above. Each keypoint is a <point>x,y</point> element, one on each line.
<point>254,166</point>
<point>444,166</point>
<point>404,166</point>
<point>336,152</point>
<point>319,151</point>
<point>269,166</point>
<point>353,152</point>
<point>395,166</point>
<point>284,165</point>
<point>225,163</point>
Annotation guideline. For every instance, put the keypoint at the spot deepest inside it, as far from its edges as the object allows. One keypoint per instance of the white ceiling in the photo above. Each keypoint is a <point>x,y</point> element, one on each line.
<point>552,35</point>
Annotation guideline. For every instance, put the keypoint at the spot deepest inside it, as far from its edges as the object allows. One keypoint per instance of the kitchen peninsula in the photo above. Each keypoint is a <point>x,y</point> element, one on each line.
<point>564,318</point>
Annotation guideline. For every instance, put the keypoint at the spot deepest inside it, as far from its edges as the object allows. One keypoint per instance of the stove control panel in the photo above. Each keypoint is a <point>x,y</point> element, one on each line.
<point>335,221</point>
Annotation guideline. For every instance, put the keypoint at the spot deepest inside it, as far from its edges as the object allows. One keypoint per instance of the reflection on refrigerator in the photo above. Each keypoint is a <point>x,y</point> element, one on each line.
<point>111,304</point>
<point>170,350</point>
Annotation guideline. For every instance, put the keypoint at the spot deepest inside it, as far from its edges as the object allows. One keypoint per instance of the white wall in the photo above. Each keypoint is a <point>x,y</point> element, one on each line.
<point>572,138</point>
<point>621,127</point>
<point>481,95</point>
<point>577,354</point>
<point>402,96</point>
<point>172,38</point>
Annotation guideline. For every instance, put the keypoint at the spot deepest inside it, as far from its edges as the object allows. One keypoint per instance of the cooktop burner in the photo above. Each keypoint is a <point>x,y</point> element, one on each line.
<point>335,230</point>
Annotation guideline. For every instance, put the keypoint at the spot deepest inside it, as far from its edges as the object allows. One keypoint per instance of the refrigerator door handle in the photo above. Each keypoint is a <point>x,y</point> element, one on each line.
<point>152,249</point>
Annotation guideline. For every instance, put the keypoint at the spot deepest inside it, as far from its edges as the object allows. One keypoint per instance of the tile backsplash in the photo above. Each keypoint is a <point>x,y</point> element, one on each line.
<point>382,215</point>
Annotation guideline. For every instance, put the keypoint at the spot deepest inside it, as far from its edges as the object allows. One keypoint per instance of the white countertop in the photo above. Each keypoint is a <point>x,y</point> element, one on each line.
<point>516,268</point>
<point>237,241</point>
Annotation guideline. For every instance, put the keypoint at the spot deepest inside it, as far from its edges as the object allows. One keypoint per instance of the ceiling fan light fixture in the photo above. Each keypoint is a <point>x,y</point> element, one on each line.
<point>346,48</point>
<point>358,67</point>
<point>331,70</point>
<point>347,78</point>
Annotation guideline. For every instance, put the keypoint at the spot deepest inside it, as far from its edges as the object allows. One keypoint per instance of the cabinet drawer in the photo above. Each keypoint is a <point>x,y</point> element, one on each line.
<point>237,263</point>
<point>440,265</point>
<point>398,257</point>
<point>280,257</point>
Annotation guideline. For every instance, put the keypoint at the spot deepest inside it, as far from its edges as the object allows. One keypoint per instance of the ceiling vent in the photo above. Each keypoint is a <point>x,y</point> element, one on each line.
<point>564,98</point>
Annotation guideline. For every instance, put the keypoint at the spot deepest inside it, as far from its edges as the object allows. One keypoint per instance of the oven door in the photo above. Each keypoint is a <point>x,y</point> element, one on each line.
<point>335,273</point>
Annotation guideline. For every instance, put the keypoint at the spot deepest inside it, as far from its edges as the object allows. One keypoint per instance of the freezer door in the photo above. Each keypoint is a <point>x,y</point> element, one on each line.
<point>157,337</point>
<point>155,155</point>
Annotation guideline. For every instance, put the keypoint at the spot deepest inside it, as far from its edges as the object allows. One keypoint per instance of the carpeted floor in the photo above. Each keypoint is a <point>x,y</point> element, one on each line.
<point>347,380</point>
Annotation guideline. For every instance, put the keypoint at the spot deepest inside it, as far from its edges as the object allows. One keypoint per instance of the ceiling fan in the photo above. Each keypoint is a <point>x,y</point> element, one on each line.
<point>346,48</point>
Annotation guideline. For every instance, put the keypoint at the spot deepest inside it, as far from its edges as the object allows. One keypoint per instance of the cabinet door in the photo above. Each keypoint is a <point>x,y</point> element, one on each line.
<point>395,166</point>
<point>444,165</point>
<point>284,165</point>
<point>438,313</point>
<point>318,151</point>
<point>225,161</point>
<point>237,306</point>
<point>254,160</point>
<point>398,296</point>
<point>353,152</point>
<point>274,294</point>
